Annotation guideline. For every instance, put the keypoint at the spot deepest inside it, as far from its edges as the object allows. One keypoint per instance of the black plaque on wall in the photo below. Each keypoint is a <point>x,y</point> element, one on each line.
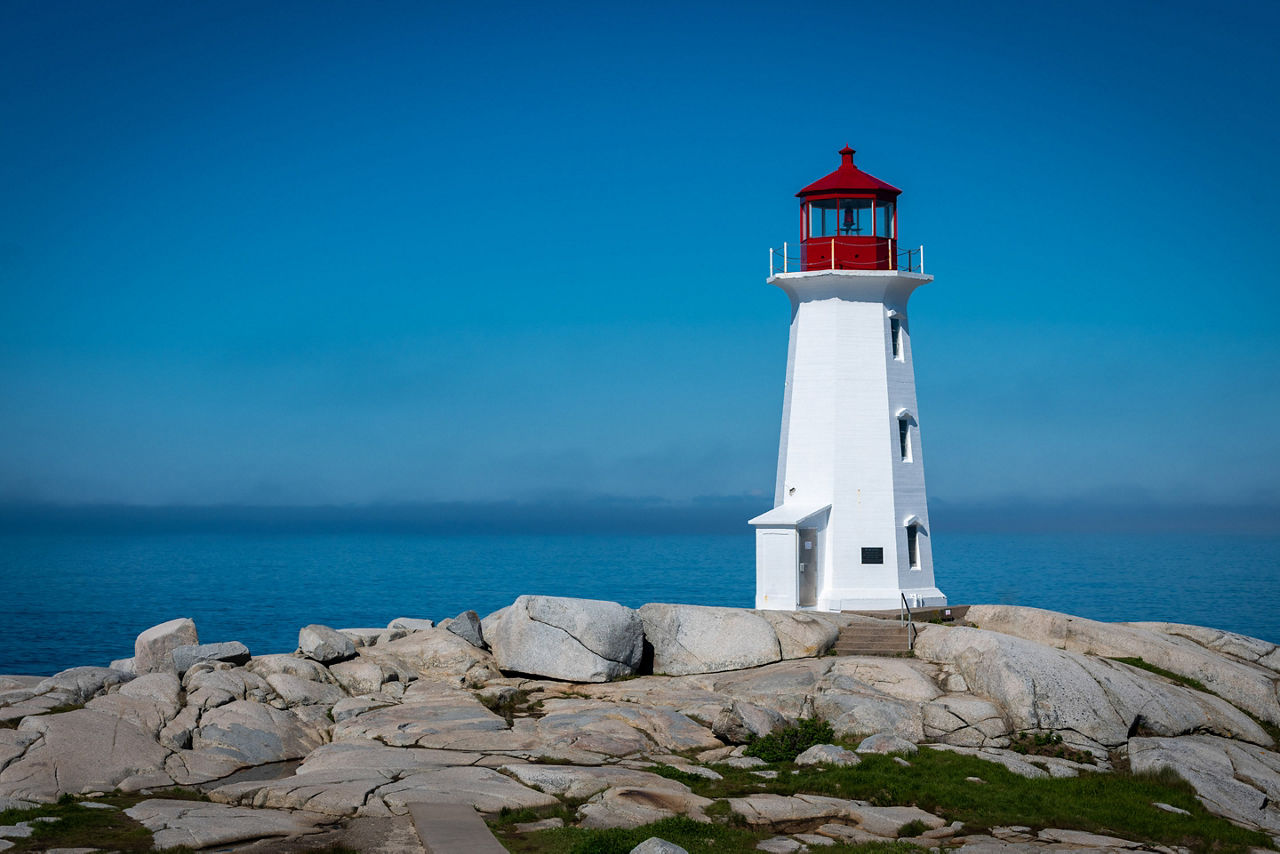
<point>875,555</point>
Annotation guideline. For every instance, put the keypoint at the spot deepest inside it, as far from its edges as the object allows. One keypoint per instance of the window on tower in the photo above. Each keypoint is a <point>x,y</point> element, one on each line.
<point>895,336</point>
<point>904,438</point>
<point>913,545</point>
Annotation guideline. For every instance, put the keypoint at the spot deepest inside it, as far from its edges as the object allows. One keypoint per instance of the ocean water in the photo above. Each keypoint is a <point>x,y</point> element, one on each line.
<point>71,599</point>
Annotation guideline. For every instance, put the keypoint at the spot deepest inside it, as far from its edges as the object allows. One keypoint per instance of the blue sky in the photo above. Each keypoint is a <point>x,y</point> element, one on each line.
<point>334,253</point>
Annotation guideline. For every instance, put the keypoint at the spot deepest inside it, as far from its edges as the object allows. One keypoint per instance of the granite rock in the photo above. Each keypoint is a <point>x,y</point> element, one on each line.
<point>704,639</point>
<point>153,649</point>
<point>579,640</point>
<point>325,645</point>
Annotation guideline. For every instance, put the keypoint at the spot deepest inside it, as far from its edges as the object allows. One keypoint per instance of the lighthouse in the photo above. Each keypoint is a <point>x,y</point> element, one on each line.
<point>849,529</point>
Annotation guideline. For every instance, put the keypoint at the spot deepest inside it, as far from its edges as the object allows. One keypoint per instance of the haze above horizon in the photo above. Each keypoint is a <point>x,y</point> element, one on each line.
<point>340,254</point>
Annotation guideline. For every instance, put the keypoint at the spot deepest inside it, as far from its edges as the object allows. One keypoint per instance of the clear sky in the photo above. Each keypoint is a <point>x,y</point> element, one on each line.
<point>331,253</point>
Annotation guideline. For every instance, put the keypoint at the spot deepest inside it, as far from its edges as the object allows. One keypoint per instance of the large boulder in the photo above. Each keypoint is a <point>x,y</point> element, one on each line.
<point>255,734</point>
<point>578,640</point>
<point>1250,686</point>
<point>1038,687</point>
<point>153,649</point>
<point>325,645</point>
<point>433,654</point>
<point>743,722</point>
<point>703,639</point>
<point>1238,781</point>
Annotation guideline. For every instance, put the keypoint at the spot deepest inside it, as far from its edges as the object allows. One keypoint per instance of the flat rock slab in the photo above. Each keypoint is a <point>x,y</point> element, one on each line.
<point>201,825</point>
<point>436,719</point>
<point>1086,840</point>
<point>84,751</point>
<point>632,806</point>
<point>577,781</point>
<point>334,793</point>
<point>799,812</point>
<point>885,821</point>
<point>450,828</point>
<point>482,788</point>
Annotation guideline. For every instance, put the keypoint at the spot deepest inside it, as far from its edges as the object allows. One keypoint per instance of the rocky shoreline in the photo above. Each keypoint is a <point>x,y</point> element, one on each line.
<point>574,704</point>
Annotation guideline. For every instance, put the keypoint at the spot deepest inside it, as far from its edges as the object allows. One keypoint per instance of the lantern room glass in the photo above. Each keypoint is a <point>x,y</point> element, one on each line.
<point>884,219</point>
<point>850,218</point>
<point>822,218</point>
<point>855,217</point>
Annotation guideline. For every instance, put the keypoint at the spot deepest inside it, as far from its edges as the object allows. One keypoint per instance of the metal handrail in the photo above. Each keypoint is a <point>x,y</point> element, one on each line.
<point>783,261</point>
<point>912,631</point>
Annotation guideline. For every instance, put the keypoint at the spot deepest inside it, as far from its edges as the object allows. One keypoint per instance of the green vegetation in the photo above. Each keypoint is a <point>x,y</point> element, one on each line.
<point>677,775</point>
<point>1117,804</point>
<point>1167,674</point>
<point>786,743</point>
<point>78,827</point>
<point>1049,744</point>
<point>915,827</point>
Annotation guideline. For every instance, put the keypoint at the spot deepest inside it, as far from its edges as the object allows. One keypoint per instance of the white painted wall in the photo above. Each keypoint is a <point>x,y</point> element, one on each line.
<point>840,443</point>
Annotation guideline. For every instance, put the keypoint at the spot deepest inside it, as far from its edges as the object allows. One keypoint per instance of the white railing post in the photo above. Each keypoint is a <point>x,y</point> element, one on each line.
<point>922,259</point>
<point>771,262</point>
<point>833,253</point>
<point>784,256</point>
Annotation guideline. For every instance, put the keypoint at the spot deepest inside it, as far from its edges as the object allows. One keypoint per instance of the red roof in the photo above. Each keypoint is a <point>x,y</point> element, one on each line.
<point>848,179</point>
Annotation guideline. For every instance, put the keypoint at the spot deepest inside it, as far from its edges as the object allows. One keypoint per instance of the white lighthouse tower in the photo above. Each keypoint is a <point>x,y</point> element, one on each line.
<point>849,529</point>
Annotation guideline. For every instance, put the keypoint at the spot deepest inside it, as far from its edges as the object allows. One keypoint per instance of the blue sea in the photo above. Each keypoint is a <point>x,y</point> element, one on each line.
<point>71,599</point>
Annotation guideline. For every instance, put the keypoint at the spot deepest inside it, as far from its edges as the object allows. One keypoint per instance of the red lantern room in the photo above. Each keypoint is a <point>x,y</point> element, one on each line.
<point>849,220</point>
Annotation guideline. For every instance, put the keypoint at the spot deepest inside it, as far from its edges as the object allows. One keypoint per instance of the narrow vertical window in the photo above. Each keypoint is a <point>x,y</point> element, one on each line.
<point>904,439</point>
<point>895,336</point>
<point>913,546</point>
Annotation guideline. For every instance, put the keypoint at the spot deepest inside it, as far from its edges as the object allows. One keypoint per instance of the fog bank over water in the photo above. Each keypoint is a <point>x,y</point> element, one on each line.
<point>619,515</point>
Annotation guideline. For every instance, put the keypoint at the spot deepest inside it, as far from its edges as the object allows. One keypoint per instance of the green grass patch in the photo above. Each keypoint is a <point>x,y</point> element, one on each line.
<point>915,827</point>
<point>1117,804</point>
<point>786,743</point>
<point>506,820</point>
<point>676,774</point>
<point>78,827</point>
<point>1141,664</point>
